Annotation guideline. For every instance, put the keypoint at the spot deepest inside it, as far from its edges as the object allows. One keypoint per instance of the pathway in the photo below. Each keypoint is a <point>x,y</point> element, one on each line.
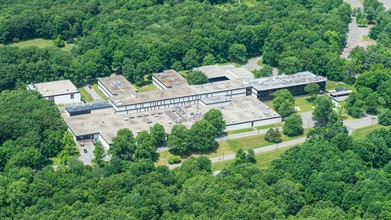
<point>94,95</point>
<point>350,124</point>
<point>252,64</point>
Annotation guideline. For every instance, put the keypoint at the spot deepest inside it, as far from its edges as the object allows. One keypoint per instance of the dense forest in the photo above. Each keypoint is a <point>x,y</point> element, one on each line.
<point>330,176</point>
<point>139,38</point>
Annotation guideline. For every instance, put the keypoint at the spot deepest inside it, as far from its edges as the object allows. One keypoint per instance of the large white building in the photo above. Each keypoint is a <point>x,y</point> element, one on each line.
<point>233,91</point>
<point>60,92</point>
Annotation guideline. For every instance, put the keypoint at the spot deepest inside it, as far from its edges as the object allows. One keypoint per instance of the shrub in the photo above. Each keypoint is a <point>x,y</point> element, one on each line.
<point>174,159</point>
<point>385,118</point>
<point>273,135</point>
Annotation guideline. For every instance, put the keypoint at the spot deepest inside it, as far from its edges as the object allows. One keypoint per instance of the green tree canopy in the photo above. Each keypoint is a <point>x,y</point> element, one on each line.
<point>196,77</point>
<point>158,133</point>
<point>293,125</point>
<point>215,117</point>
<point>283,102</point>
<point>202,136</point>
<point>323,107</point>
<point>178,139</point>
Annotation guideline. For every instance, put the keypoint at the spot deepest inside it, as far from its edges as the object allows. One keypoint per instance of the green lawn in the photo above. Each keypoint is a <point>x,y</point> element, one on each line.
<point>263,159</point>
<point>146,88</point>
<point>240,131</point>
<point>55,161</point>
<point>96,89</point>
<point>40,43</point>
<point>332,85</point>
<point>268,126</point>
<point>87,96</point>
<point>300,102</point>
<point>303,104</point>
<point>362,132</point>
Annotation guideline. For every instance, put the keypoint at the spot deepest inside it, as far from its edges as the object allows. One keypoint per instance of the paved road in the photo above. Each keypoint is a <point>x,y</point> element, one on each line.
<point>252,64</point>
<point>356,34</point>
<point>386,4</point>
<point>94,95</point>
<point>355,3</point>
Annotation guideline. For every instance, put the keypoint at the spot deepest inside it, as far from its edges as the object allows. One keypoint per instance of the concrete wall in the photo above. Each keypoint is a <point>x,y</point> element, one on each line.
<point>66,99</point>
<point>266,121</point>
<point>104,142</point>
<point>103,89</point>
<point>157,83</point>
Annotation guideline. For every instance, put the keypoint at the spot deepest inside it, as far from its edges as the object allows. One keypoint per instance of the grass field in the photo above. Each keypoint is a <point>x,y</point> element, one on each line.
<point>146,88</point>
<point>300,102</point>
<point>96,89</point>
<point>40,43</point>
<point>331,85</point>
<point>240,131</point>
<point>303,104</point>
<point>87,96</point>
<point>362,132</point>
<point>263,159</point>
<point>268,126</point>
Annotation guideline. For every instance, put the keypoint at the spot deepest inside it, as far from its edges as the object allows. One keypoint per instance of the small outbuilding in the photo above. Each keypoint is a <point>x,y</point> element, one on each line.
<point>60,92</point>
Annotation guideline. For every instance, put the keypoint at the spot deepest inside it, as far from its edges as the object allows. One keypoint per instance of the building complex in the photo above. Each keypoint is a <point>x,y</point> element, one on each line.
<point>232,90</point>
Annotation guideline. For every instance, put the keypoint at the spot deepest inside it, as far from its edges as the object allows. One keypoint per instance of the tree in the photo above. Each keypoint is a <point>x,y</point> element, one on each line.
<point>243,157</point>
<point>237,53</point>
<point>196,77</point>
<point>265,71</point>
<point>202,136</point>
<point>178,139</point>
<point>124,145</point>
<point>146,146</point>
<point>283,102</point>
<point>99,154</point>
<point>313,89</point>
<point>323,107</point>
<point>215,117</point>
<point>158,133</point>
<point>273,135</point>
<point>385,117</point>
<point>293,125</point>
<point>59,42</point>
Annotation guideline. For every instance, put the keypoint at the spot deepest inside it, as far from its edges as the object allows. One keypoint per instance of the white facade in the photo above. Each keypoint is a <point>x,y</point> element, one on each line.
<point>250,124</point>
<point>65,99</point>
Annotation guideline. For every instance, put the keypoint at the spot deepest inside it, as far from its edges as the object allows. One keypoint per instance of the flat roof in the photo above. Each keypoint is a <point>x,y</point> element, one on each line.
<point>283,81</point>
<point>171,79</point>
<point>85,107</point>
<point>241,73</point>
<point>107,123</point>
<point>177,92</point>
<point>215,99</point>
<point>118,85</point>
<point>229,71</point>
<point>55,88</point>
<point>213,71</point>
<point>340,93</point>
